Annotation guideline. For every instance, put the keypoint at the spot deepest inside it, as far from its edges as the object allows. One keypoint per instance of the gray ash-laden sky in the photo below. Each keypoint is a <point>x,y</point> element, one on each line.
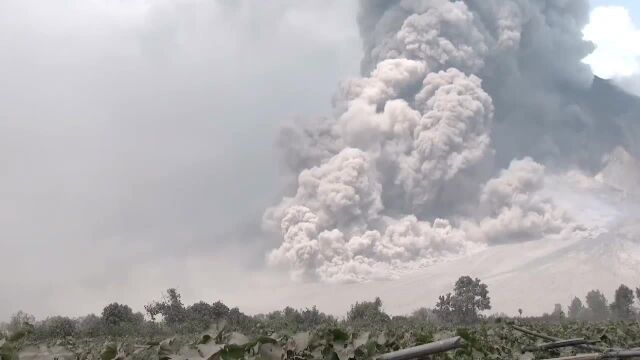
<point>137,142</point>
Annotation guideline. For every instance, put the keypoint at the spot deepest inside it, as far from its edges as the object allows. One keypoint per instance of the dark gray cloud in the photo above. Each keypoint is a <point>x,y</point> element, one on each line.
<point>142,133</point>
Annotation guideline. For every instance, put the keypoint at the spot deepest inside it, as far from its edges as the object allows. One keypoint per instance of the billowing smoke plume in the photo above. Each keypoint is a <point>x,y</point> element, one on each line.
<point>441,147</point>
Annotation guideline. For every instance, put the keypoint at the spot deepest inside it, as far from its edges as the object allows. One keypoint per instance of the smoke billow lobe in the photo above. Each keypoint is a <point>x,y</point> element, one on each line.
<point>441,147</point>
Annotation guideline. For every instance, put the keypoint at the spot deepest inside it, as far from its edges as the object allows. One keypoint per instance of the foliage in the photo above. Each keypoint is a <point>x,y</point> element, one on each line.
<point>201,315</point>
<point>575,309</point>
<point>90,326</point>
<point>13,341</point>
<point>19,320</point>
<point>238,320</point>
<point>290,319</point>
<point>219,310</point>
<point>56,327</point>
<point>367,312</point>
<point>463,306</point>
<point>310,334</point>
<point>557,313</point>
<point>487,340</point>
<point>170,307</point>
<point>425,315</point>
<point>116,314</point>
<point>597,305</point>
<point>621,306</point>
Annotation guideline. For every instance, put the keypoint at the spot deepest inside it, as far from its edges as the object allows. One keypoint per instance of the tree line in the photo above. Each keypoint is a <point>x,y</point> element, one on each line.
<point>596,306</point>
<point>464,305</point>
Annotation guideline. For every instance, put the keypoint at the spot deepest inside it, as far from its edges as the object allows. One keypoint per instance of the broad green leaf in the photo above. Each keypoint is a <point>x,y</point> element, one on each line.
<point>301,340</point>
<point>270,351</point>
<point>236,338</point>
<point>233,352</point>
<point>109,351</point>
<point>361,339</point>
<point>339,334</point>
<point>208,351</point>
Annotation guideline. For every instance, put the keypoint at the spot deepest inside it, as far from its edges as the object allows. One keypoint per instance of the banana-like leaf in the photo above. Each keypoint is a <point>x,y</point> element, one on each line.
<point>270,351</point>
<point>209,351</point>
<point>109,351</point>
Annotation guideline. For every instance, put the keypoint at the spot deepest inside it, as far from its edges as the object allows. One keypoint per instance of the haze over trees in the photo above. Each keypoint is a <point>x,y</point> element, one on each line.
<point>576,309</point>
<point>623,301</point>
<point>597,305</point>
<point>465,305</point>
<point>598,308</point>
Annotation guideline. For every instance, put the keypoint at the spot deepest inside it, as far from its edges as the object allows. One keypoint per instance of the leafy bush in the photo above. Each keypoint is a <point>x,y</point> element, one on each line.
<point>19,320</point>
<point>90,326</point>
<point>621,308</point>
<point>469,298</point>
<point>200,316</point>
<point>576,309</point>
<point>170,307</point>
<point>55,327</point>
<point>367,313</point>
<point>116,314</point>
<point>597,305</point>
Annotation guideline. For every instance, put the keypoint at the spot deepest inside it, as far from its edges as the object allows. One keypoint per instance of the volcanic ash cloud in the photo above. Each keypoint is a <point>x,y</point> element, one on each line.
<point>417,162</point>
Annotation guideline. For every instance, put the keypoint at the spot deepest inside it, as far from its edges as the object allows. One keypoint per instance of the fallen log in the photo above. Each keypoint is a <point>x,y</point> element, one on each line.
<point>559,344</point>
<point>424,350</point>
<point>599,349</point>
<point>616,354</point>
<point>621,354</point>
<point>536,334</point>
<point>593,356</point>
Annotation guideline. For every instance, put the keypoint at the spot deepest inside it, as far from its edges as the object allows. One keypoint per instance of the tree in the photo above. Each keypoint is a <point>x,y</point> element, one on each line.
<point>313,318</point>
<point>444,308</point>
<point>368,312</point>
<point>219,310</point>
<point>520,312</point>
<point>239,320</point>
<point>19,320</point>
<point>201,315</point>
<point>575,309</point>
<point>597,305</point>
<point>468,299</point>
<point>90,326</point>
<point>424,314</point>
<point>557,313</point>
<point>170,307</point>
<point>116,314</point>
<point>621,306</point>
<point>60,327</point>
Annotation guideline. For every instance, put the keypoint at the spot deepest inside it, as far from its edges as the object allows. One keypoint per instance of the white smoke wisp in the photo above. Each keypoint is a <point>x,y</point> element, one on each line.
<point>413,167</point>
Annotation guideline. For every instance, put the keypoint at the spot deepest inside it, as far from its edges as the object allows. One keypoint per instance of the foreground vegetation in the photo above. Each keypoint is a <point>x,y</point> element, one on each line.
<point>487,340</point>
<point>214,331</point>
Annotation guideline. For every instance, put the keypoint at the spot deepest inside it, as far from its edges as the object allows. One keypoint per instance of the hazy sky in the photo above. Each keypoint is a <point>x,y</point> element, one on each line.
<point>138,134</point>
<point>136,138</point>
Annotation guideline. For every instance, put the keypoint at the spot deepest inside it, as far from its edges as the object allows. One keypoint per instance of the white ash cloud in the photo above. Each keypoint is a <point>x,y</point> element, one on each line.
<point>515,209</point>
<point>430,154</point>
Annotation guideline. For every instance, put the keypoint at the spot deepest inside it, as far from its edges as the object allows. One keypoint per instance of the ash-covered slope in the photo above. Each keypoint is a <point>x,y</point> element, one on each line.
<point>532,276</point>
<point>622,171</point>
